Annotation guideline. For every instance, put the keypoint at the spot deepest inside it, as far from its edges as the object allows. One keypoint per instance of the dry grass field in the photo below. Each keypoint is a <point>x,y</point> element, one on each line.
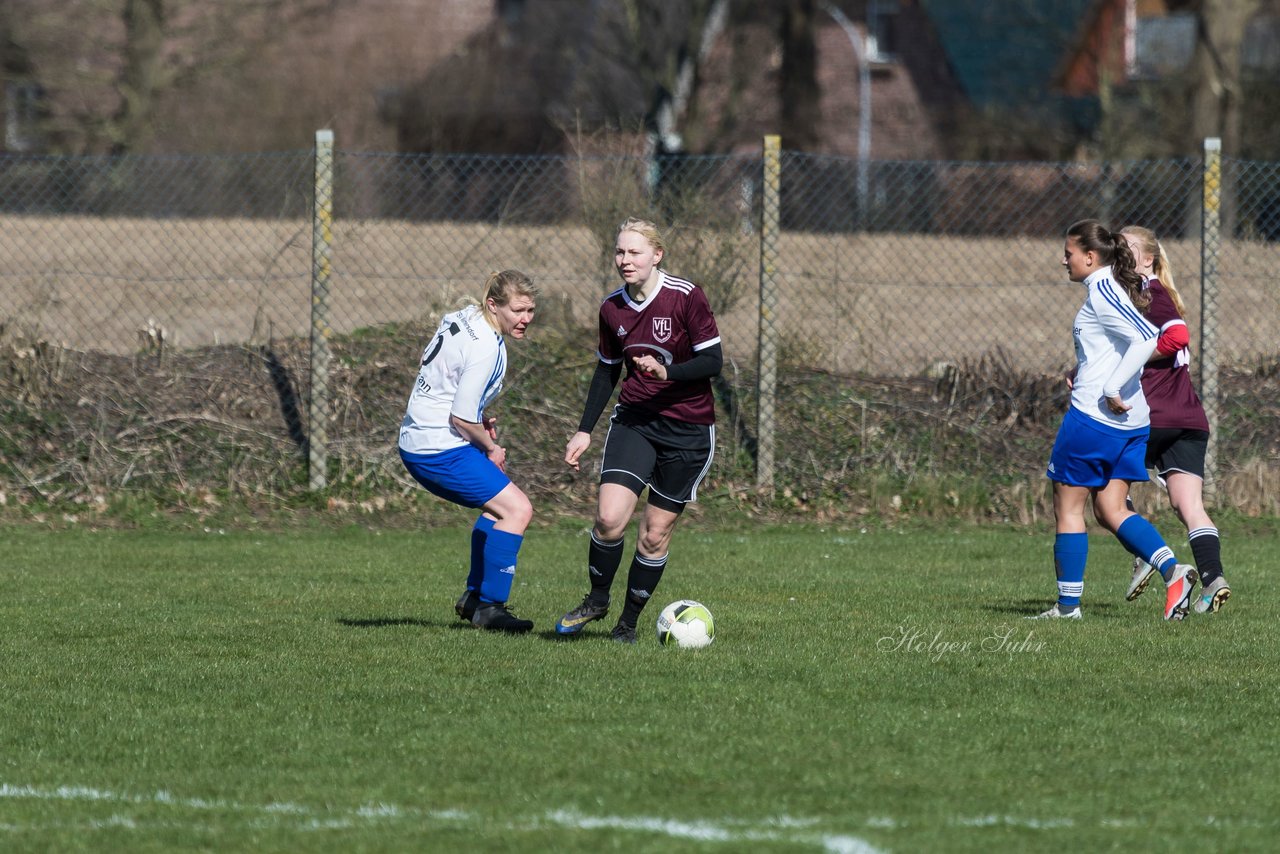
<point>884,304</point>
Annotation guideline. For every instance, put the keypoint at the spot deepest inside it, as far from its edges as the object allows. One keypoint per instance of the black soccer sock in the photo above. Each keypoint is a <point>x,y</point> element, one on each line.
<point>642,581</point>
<point>603,560</point>
<point>1207,549</point>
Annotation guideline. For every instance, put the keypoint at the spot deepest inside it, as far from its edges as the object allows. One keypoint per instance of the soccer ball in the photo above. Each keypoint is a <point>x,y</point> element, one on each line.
<point>686,624</point>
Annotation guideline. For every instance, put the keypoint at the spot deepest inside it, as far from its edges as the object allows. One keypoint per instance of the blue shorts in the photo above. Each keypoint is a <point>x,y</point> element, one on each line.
<point>462,475</point>
<point>1087,453</point>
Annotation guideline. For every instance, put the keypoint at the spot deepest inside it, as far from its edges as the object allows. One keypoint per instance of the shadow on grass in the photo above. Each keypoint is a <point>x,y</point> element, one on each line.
<point>1032,607</point>
<point>391,622</point>
<point>583,637</point>
<point>384,622</point>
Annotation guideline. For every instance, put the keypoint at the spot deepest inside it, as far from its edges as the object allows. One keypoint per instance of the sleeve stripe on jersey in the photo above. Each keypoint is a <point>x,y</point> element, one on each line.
<point>607,361</point>
<point>1177,321</point>
<point>679,284</point>
<point>1107,289</point>
<point>705,344</point>
<point>499,366</point>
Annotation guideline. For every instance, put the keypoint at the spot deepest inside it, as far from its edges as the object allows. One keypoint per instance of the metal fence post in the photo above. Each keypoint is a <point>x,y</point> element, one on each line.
<point>321,266</point>
<point>1210,248</point>
<point>767,348</point>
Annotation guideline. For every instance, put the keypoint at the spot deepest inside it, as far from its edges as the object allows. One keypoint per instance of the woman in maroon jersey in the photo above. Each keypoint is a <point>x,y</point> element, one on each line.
<point>661,435</point>
<point>1179,429</point>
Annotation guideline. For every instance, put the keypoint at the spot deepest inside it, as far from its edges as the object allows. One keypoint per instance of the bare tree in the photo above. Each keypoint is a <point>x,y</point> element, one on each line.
<point>142,73</point>
<point>1214,88</point>
<point>555,67</point>
<point>107,64</point>
<point>798,89</point>
<point>1215,95</point>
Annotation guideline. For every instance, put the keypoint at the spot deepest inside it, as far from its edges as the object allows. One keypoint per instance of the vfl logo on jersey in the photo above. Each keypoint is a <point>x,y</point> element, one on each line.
<point>662,329</point>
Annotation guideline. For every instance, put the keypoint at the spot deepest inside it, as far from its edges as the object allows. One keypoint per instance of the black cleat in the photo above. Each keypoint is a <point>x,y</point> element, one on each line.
<point>496,617</point>
<point>623,633</point>
<point>466,605</point>
<point>573,622</point>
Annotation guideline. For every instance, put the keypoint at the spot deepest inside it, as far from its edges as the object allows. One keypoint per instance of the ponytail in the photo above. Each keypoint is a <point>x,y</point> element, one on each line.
<point>1112,249</point>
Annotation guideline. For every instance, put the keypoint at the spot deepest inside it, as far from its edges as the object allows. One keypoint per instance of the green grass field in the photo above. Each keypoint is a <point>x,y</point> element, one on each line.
<point>867,691</point>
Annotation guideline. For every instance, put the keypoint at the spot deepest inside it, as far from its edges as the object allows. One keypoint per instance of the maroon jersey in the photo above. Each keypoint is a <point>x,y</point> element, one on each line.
<point>1166,382</point>
<point>671,325</point>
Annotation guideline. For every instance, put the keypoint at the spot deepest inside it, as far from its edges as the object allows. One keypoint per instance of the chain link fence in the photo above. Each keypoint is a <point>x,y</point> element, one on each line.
<point>881,269</point>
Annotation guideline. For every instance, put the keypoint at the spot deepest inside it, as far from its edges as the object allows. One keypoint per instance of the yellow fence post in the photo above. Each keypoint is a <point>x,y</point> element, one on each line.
<point>767,356</point>
<point>321,267</point>
<point>1210,249</point>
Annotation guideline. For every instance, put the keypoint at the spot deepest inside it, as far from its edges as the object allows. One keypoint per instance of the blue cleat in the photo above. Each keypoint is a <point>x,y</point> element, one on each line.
<point>573,622</point>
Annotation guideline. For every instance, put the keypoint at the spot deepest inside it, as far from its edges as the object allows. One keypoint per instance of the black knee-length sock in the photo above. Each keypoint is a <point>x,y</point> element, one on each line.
<point>603,560</point>
<point>1207,549</point>
<point>642,581</point>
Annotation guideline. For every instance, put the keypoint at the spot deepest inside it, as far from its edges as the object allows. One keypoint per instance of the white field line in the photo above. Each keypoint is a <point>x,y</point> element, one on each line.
<point>781,828</point>
<point>777,829</point>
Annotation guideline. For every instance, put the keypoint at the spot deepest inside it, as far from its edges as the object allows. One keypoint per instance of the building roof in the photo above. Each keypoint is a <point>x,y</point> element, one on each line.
<point>1005,52</point>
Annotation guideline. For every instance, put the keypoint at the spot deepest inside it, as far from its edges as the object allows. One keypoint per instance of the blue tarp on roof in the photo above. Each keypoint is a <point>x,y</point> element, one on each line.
<point>1004,52</point>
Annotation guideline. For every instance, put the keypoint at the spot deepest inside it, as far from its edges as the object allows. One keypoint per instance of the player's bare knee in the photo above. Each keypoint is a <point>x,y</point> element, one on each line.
<point>522,513</point>
<point>654,543</point>
<point>610,528</point>
<point>655,535</point>
<point>514,510</point>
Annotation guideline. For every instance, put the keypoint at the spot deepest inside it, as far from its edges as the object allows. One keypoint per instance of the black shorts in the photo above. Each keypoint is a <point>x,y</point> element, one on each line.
<point>670,457</point>
<point>1177,449</point>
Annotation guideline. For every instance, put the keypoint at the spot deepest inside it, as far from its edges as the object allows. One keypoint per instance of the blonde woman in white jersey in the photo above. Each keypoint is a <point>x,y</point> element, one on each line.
<point>1101,446</point>
<point>451,448</point>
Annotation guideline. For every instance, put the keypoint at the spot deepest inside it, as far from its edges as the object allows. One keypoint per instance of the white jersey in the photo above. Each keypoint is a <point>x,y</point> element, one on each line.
<point>461,372</point>
<point>1113,342</point>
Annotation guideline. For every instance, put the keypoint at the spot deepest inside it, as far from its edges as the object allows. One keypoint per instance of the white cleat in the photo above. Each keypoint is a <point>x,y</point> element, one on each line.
<point>1213,597</point>
<point>1143,572</point>
<point>1055,613</point>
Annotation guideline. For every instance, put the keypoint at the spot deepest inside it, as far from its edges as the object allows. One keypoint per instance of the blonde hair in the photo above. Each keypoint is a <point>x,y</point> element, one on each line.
<point>645,229</point>
<point>503,287</point>
<point>1159,264</point>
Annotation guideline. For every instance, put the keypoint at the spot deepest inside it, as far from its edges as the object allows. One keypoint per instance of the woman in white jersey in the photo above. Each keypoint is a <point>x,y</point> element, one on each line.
<point>1101,446</point>
<point>452,449</point>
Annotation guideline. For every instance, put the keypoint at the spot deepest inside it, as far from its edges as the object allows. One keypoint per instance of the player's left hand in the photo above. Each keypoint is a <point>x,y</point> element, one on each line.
<point>491,427</point>
<point>649,366</point>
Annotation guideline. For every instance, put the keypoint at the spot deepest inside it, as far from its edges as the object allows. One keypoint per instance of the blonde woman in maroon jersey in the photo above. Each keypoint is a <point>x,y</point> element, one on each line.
<point>660,329</point>
<point>1179,428</point>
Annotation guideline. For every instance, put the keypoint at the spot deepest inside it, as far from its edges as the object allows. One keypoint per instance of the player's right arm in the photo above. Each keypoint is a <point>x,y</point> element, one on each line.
<point>599,392</point>
<point>478,435</point>
<point>467,412</point>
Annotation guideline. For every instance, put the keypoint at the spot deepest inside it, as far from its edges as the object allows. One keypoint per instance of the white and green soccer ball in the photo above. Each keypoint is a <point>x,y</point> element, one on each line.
<point>686,624</point>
